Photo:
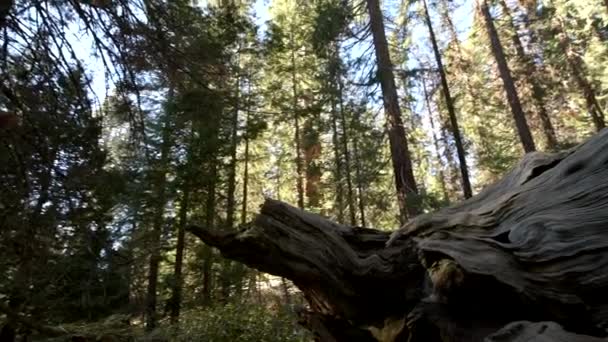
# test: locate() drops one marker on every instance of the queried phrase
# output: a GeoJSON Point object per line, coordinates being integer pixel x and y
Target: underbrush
{"type": "Point", "coordinates": [238, 323]}
{"type": "Point", "coordinates": [226, 323]}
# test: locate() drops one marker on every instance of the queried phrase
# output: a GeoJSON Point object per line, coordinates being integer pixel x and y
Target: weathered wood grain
{"type": "Point", "coordinates": [532, 247]}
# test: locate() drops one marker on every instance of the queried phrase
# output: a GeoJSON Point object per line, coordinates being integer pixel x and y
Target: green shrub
{"type": "Point", "coordinates": [239, 323]}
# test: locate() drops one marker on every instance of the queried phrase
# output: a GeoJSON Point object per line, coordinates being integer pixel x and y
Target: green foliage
{"type": "Point", "coordinates": [330, 20]}
{"type": "Point", "coordinates": [240, 323]}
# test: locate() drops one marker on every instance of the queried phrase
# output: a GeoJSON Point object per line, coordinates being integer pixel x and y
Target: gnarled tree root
{"type": "Point", "coordinates": [532, 247]}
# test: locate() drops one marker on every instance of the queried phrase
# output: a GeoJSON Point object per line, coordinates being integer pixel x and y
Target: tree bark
{"type": "Point", "coordinates": [338, 162]}
{"type": "Point", "coordinates": [246, 159]}
{"type": "Point", "coordinates": [176, 298]}
{"type": "Point", "coordinates": [464, 170]}
{"type": "Point", "coordinates": [532, 77]}
{"type": "Point", "coordinates": [312, 149]}
{"type": "Point", "coordinates": [210, 221]}
{"type": "Point", "coordinates": [296, 114]}
{"type": "Point", "coordinates": [230, 203]}
{"type": "Point", "coordinates": [531, 247]}
{"type": "Point", "coordinates": [521, 123]}
{"type": "Point", "coordinates": [360, 196]}
{"type": "Point", "coordinates": [405, 183]}
{"type": "Point", "coordinates": [346, 152]}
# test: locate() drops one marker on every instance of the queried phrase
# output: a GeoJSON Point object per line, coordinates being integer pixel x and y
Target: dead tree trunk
{"type": "Point", "coordinates": [532, 247]}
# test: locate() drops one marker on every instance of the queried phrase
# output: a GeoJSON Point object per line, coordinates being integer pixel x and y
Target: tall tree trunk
{"type": "Point", "coordinates": [312, 150]}
{"type": "Point", "coordinates": [160, 201]}
{"type": "Point", "coordinates": [577, 70]}
{"type": "Point", "coordinates": [299, 167]}
{"type": "Point", "coordinates": [505, 74]}
{"type": "Point", "coordinates": [246, 159]}
{"type": "Point", "coordinates": [338, 161]}
{"type": "Point", "coordinates": [245, 180]}
{"type": "Point", "coordinates": [442, 182]}
{"type": "Point", "coordinates": [239, 268]}
{"type": "Point", "coordinates": [230, 203]}
{"type": "Point", "coordinates": [358, 174]}
{"type": "Point", "coordinates": [448, 152]}
{"type": "Point", "coordinates": [464, 171]}
{"type": "Point", "coordinates": [209, 221]}
{"type": "Point", "coordinates": [405, 183]}
{"type": "Point", "coordinates": [532, 77]}
{"type": "Point", "coordinates": [227, 265]}
{"type": "Point", "coordinates": [464, 66]}
{"type": "Point", "coordinates": [176, 296]}
{"type": "Point", "coordinates": [346, 153]}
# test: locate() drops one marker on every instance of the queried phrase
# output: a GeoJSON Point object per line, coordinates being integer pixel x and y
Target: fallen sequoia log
{"type": "Point", "coordinates": [532, 247]}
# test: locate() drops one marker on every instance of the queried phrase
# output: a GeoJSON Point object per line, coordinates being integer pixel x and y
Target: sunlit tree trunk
{"type": "Point", "coordinates": [246, 157]}
{"type": "Point", "coordinates": [521, 123]}
{"type": "Point", "coordinates": [360, 196]}
{"type": "Point", "coordinates": [532, 77]}
{"type": "Point", "coordinates": [230, 203]}
{"type": "Point", "coordinates": [296, 114]}
{"type": "Point", "coordinates": [405, 183]}
{"type": "Point", "coordinates": [338, 162]}
{"type": "Point", "coordinates": [464, 171]}
{"type": "Point", "coordinates": [312, 150]}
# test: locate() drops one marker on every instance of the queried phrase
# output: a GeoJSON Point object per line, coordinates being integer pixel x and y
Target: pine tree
{"type": "Point", "coordinates": [577, 70]}
{"type": "Point", "coordinates": [505, 73]}
{"type": "Point", "coordinates": [532, 76]}
{"type": "Point", "coordinates": [442, 181]}
{"type": "Point", "coordinates": [160, 182]}
{"type": "Point", "coordinates": [466, 183]}
{"type": "Point", "coordinates": [407, 189]}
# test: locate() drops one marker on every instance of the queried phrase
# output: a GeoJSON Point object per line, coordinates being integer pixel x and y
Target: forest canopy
{"type": "Point", "coordinates": [124, 122]}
